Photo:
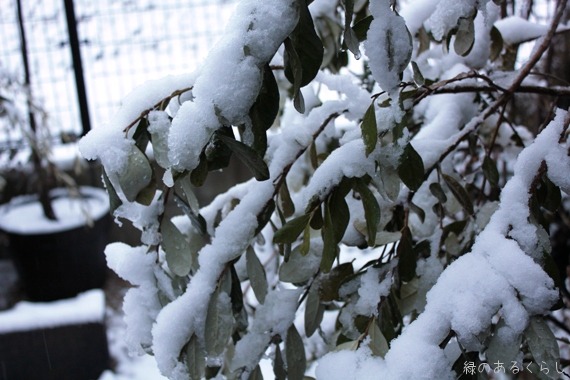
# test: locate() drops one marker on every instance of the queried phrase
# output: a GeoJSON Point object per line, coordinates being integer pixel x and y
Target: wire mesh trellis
{"type": "Point", "coordinates": [123, 43]}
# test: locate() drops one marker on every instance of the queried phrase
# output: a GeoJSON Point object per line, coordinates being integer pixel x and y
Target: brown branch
{"type": "Point", "coordinates": [156, 106]}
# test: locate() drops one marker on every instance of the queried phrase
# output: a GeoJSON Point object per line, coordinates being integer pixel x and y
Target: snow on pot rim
{"type": "Point", "coordinates": [23, 215]}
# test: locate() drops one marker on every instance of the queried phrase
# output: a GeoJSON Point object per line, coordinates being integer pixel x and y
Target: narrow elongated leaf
{"type": "Point", "coordinates": [195, 358]}
{"type": "Point", "coordinates": [296, 69]}
{"type": "Point", "coordinates": [502, 348]}
{"type": "Point", "coordinates": [411, 168]}
{"type": "Point", "coordinates": [371, 210]}
{"type": "Point", "coordinates": [459, 193]}
{"type": "Point", "coordinates": [295, 353]}
{"type": "Point", "coordinates": [256, 274]}
{"type": "Point", "coordinates": [330, 246]}
{"type": "Point", "coordinates": [339, 213]}
{"type": "Point", "coordinates": [200, 173]}
{"type": "Point", "coordinates": [314, 310]}
{"type": "Point", "coordinates": [407, 256]}
{"type": "Point", "coordinates": [350, 38]}
{"type": "Point", "coordinates": [361, 28]}
{"type": "Point", "coordinates": [418, 211]}
{"type": "Point", "coordinates": [256, 374]}
{"type": "Point", "coordinates": [219, 323]}
{"type": "Point", "coordinates": [279, 365]}
{"type": "Point", "coordinates": [137, 174]}
{"type": "Point", "coordinates": [264, 110]}
{"type": "Point", "coordinates": [291, 230]}
{"type": "Point", "coordinates": [369, 129]}
{"type": "Point", "coordinates": [331, 282]}
{"type": "Point", "coordinates": [418, 76]}
{"type": "Point", "coordinates": [490, 171]}
{"type": "Point", "coordinates": [496, 44]}
{"type": "Point", "coordinates": [543, 346]}
{"type": "Point", "coordinates": [178, 254]}
{"type": "Point", "coordinates": [114, 200]}
{"type": "Point", "coordinates": [437, 191]}
{"type": "Point", "coordinates": [285, 201]}
{"type": "Point", "coordinates": [308, 46]}
{"type": "Point", "coordinates": [378, 343]}
{"type": "Point", "coordinates": [248, 156]}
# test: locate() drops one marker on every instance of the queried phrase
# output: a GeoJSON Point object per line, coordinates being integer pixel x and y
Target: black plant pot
{"type": "Point", "coordinates": [62, 263]}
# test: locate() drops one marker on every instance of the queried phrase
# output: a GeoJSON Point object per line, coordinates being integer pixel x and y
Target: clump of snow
{"type": "Point", "coordinates": [515, 30]}
{"type": "Point", "coordinates": [447, 14]}
{"type": "Point", "coordinates": [273, 317]}
{"type": "Point", "coordinates": [87, 307]}
{"type": "Point", "coordinates": [141, 303]}
{"type": "Point", "coordinates": [224, 96]}
{"type": "Point", "coordinates": [371, 291]}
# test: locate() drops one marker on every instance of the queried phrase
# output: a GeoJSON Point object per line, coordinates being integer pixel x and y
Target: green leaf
{"type": "Point", "coordinates": [248, 156]}
{"type": "Point", "coordinates": [278, 365]}
{"type": "Point", "coordinates": [200, 173]}
{"type": "Point", "coordinates": [307, 45]}
{"type": "Point", "coordinates": [411, 168]}
{"type": "Point", "coordinates": [295, 354]}
{"type": "Point", "coordinates": [490, 171]}
{"type": "Point", "coordinates": [177, 249]}
{"type": "Point", "coordinates": [378, 343]}
{"type": "Point", "coordinates": [137, 174]}
{"type": "Point", "coordinates": [256, 274]}
{"type": "Point", "coordinates": [219, 323]}
{"type": "Point", "coordinates": [543, 346]}
{"type": "Point", "coordinates": [407, 256]}
{"type": "Point", "coordinates": [418, 76]}
{"type": "Point", "coordinates": [496, 44]}
{"type": "Point", "coordinates": [264, 110]}
{"type": "Point", "coordinates": [339, 213]}
{"type": "Point", "coordinates": [371, 210]}
{"type": "Point", "coordinates": [331, 282]}
{"type": "Point", "coordinates": [350, 37]}
{"type": "Point", "coordinates": [299, 268]}
{"type": "Point", "coordinates": [418, 211]}
{"type": "Point", "coordinates": [361, 28]}
{"type": "Point", "coordinates": [465, 36]}
{"type": "Point", "coordinates": [296, 69]}
{"type": "Point", "coordinates": [437, 191]}
{"type": "Point", "coordinates": [197, 220]}
{"type": "Point", "coordinates": [291, 230]}
{"type": "Point", "coordinates": [330, 244]}
{"type": "Point", "coordinates": [256, 374]}
{"type": "Point", "coordinates": [314, 310]}
{"type": "Point", "coordinates": [285, 202]}
{"type": "Point", "coordinates": [195, 358]}
{"type": "Point", "coordinates": [369, 130]}
{"type": "Point", "coordinates": [459, 193]}
{"type": "Point", "coordinates": [114, 200]}
{"type": "Point", "coordinates": [217, 153]}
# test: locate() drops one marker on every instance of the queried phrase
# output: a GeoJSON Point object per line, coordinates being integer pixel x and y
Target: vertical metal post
{"type": "Point", "coordinates": [77, 66]}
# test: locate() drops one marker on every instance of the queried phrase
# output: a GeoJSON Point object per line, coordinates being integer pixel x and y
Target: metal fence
{"type": "Point", "coordinates": [122, 44]}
